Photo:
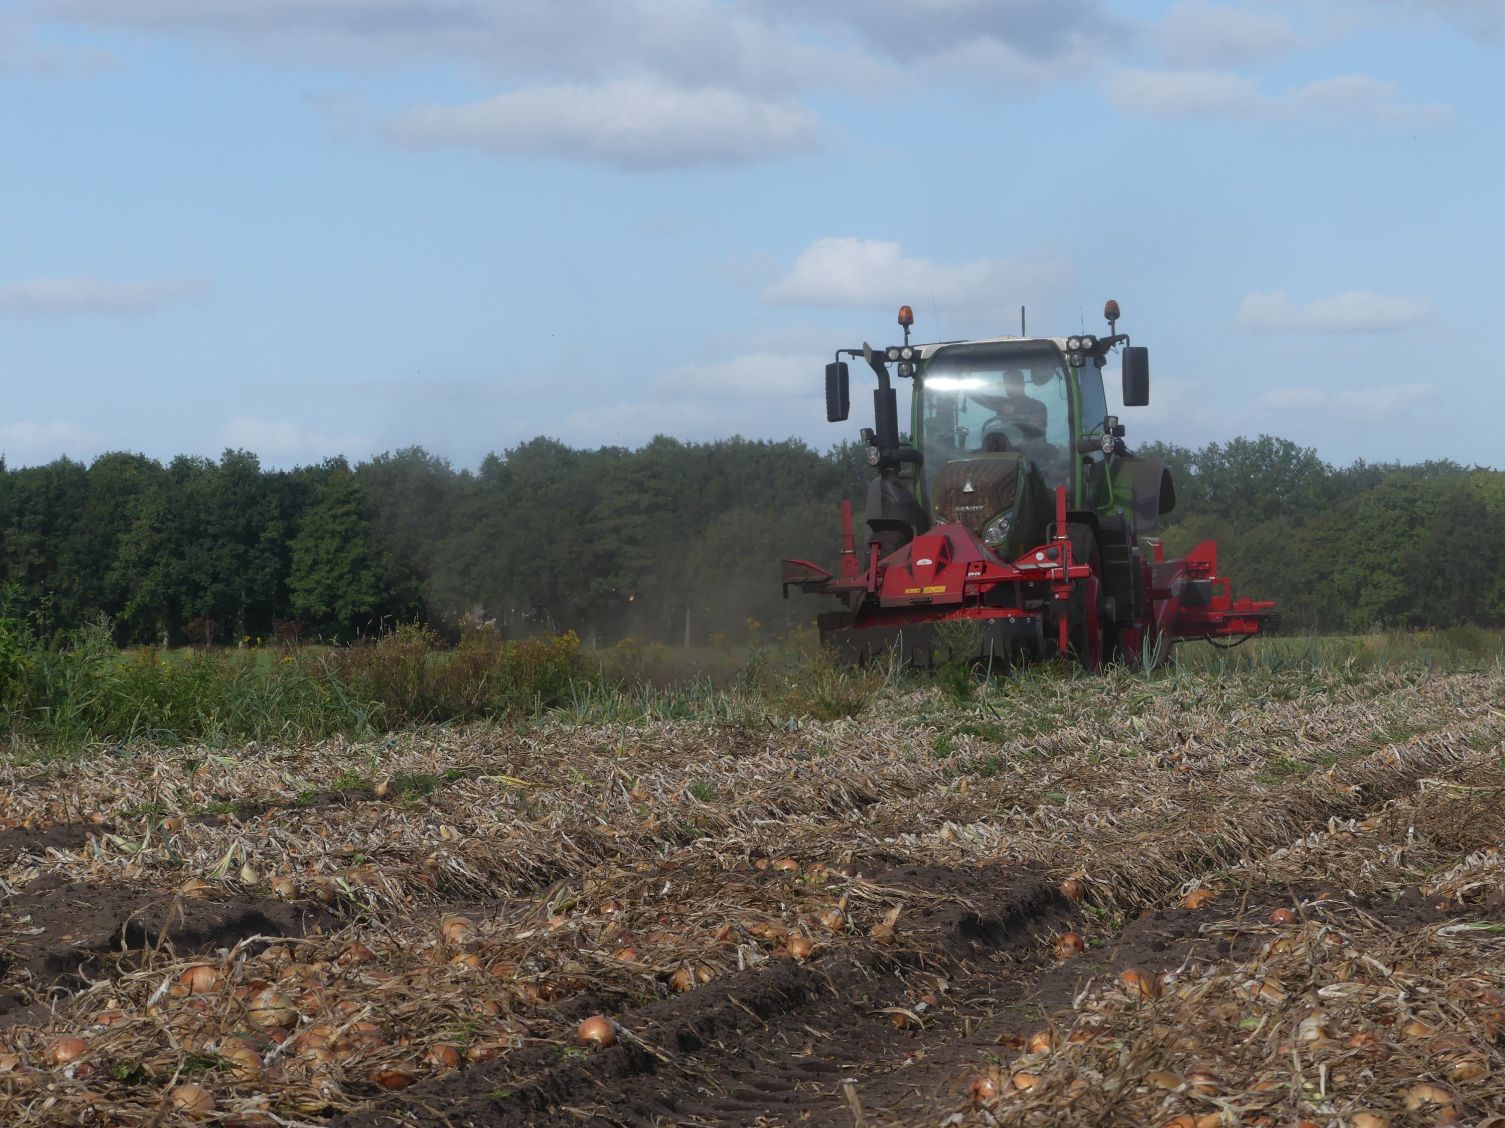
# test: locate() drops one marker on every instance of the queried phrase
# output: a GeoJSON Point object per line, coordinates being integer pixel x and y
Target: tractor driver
{"type": "Point", "coordinates": [1016, 417]}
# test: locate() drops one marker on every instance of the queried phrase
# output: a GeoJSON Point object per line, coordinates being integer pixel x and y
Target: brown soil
{"type": "Point", "coordinates": [58, 935]}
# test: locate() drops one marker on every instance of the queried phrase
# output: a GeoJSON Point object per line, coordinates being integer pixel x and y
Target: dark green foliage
{"type": "Point", "coordinates": [1345, 550]}
{"type": "Point", "coordinates": [615, 543]}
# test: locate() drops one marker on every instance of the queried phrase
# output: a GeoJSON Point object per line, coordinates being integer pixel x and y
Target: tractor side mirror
{"type": "Point", "coordinates": [1136, 376]}
{"type": "Point", "coordinates": [838, 392]}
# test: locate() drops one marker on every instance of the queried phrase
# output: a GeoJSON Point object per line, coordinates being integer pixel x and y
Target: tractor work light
{"type": "Point", "coordinates": [1073, 344]}
{"type": "Point", "coordinates": [1076, 360]}
{"type": "Point", "coordinates": [1089, 342]}
{"type": "Point", "coordinates": [892, 352]}
{"type": "Point", "coordinates": [907, 353]}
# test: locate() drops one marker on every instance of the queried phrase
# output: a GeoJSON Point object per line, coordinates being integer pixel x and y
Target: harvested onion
{"type": "Point", "coordinates": [392, 1077]}
{"type": "Point", "coordinates": [597, 1030]}
{"type": "Point", "coordinates": [1197, 897]}
{"type": "Point", "coordinates": [984, 1087]}
{"type": "Point", "coordinates": [66, 1050]}
{"type": "Point", "coordinates": [1427, 1097]}
{"type": "Point", "coordinates": [200, 979]}
{"type": "Point", "coordinates": [192, 1099]}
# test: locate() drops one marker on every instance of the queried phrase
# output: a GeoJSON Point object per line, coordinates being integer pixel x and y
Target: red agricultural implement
{"type": "Point", "coordinates": [1017, 525]}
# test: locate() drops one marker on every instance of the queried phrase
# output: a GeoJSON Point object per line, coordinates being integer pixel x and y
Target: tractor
{"type": "Point", "coordinates": [1015, 525]}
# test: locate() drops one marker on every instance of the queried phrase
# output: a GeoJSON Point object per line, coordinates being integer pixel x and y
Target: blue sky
{"type": "Point", "coordinates": [312, 227]}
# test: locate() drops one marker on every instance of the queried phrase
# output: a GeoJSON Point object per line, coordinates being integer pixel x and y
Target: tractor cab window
{"type": "Point", "coordinates": [996, 398]}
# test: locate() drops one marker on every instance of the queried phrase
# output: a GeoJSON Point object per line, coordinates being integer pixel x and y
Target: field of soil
{"type": "Point", "coordinates": [1273, 899]}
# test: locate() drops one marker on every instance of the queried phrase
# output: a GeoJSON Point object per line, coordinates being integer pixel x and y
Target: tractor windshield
{"type": "Point", "coordinates": [978, 399]}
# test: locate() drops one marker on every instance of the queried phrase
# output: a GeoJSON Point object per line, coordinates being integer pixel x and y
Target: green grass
{"type": "Point", "coordinates": [83, 695]}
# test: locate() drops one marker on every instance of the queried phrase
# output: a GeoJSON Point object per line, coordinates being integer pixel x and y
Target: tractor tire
{"type": "Point", "coordinates": [1091, 621]}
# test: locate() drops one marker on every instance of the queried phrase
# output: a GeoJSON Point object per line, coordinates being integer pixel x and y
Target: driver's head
{"type": "Point", "coordinates": [1013, 382]}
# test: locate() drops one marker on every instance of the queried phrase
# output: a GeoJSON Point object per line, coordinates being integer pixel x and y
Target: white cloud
{"type": "Point", "coordinates": [635, 124]}
{"type": "Point", "coordinates": [1354, 311]}
{"type": "Point", "coordinates": [1219, 94]}
{"type": "Point", "coordinates": [1196, 33]}
{"type": "Point", "coordinates": [1370, 404]}
{"type": "Point", "coordinates": [280, 440]}
{"type": "Point", "coordinates": [78, 297]}
{"type": "Point", "coordinates": [26, 443]}
{"type": "Point", "coordinates": [863, 273]}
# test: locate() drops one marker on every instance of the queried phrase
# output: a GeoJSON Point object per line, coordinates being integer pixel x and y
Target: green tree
{"type": "Point", "coordinates": [341, 576]}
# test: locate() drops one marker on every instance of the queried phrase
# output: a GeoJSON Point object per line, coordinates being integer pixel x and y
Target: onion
{"type": "Point", "coordinates": [1197, 897]}
{"type": "Point", "coordinates": [245, 1063]}
{"type": "Point", "coordinates": [283, 887]}
{"type": "Point", "coordinates": [1024, 1081]}
{"type": "Point", "coordinates": [1201, 1081]}
{"type": "Point", "coordinates": [1427, 1097]}
{"type": "Point", "coordinates": [1069, 944]}
{"type": "Point", "coordinates": [9, 1062]}
{"type": "Point", "coordinates": [66, 1050]}
{"type": "Point", "coordinates": [483, 1051]}
{"type": "Point", "coordinates": [627, 955]}
{"type": "Point", "coordinates": [200, 979]}
{"type": "Point", "coordinates": [682, 980]}
{"type": "Point", "coordinates": [1368, 1120]}
{"type": "Point", "coordinates": [1468, 1067]}
{"type": "Point", "coordinates": [984, 1087]}
{"type": "Point", "coordinates": [1144, 984]}
{"type": "Point", "coordinates": [786, 864]}
{"type": "Point", "coordinates": [391, 1077]}
{"type": "Point", "coordinates": [1282, 917]}
{"type": "Point", "coordinates": [192, 1099]}
{"type": "Point", "coordinates": [834, 919]}
{"type": "Point", "coordinates": [1074, 888]}
{"type": "Point", "coordinates": [468, 960]}
{"type": "Point", "coordinates": [704, 973]}
{"type": "Point", "coordinates": [270, 1007]}
{"type": "Point", "coordinates": [597, 1030]}
{"type": "Point", "coordinates": [1162, 1079]}
{"type": "Point", "coordinates": [1416, 1028]}
{"type": "Point", "coordinates": [442, 1057]}
{"type": "Point", "coordinates": [800, 947]}
{"type": "Point", "coordinates": [356, 953]}
{"type": "Point", "coordinates": [108, 1017]}
{"type": "Point", "coordinates": [456, 930]}
{"type": "Point", "coordinates": [1040, 1042]}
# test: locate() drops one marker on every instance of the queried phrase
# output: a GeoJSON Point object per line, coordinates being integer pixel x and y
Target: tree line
{"type": "Point", "coordinates": [666, 540]}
